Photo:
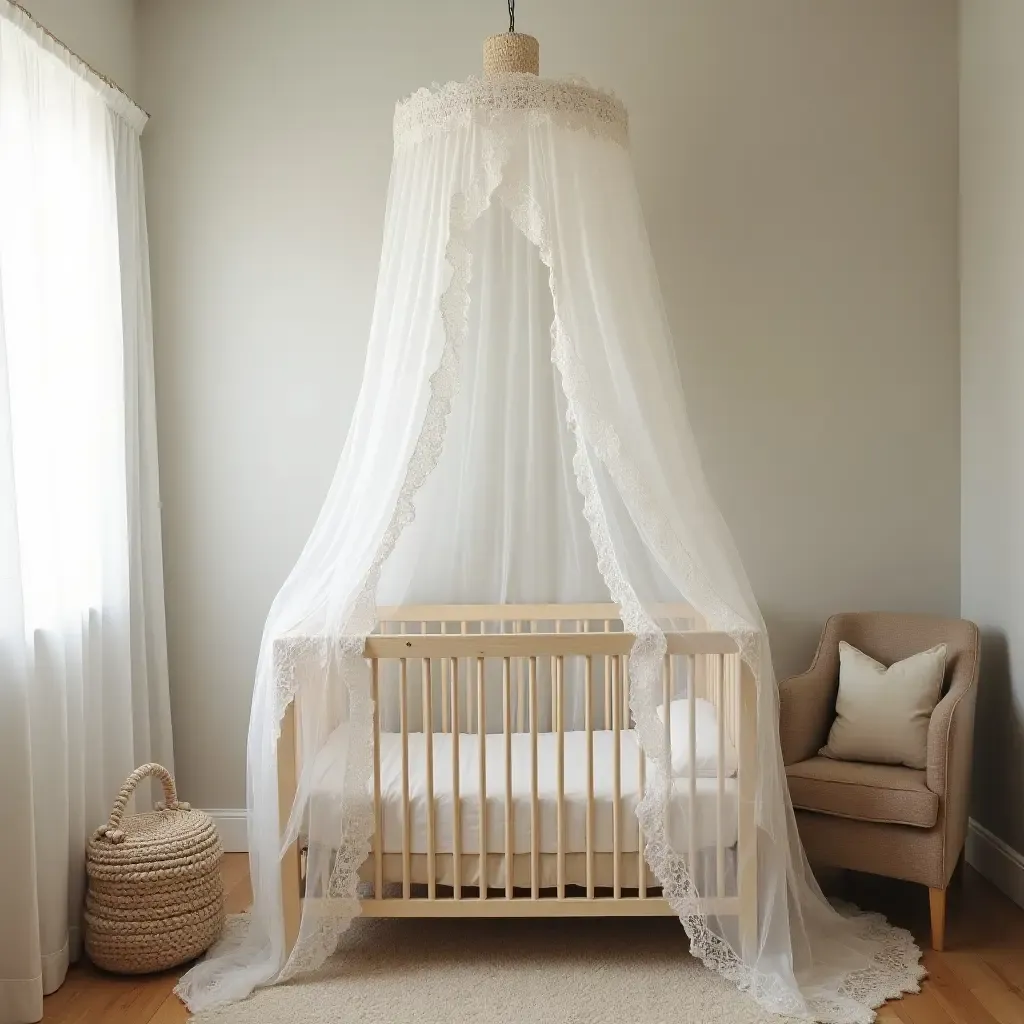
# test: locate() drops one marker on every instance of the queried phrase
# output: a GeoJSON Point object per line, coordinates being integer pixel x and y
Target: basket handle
{"type": "Point", "coordinates": [112, 830]}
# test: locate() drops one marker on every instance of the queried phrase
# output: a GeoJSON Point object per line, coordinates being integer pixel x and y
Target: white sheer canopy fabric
{"type": "Point", "coordinates": [83, 664]}
{"type": "Point", "coordinates": [521, 435]}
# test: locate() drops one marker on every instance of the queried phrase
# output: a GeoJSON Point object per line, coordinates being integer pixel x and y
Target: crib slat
{"type": "Point", "coordinates": [378, 838]}
{"type": "Point", "coordinates": [456, 798]}
{"type": "Point", "coordinates": [667, 680]}
{"type": "Point", "coordinates": [607, 682]}
{"type": "Point", "coordinates": [534, 803]}
{"type": "Point", "coordinates": [691, 831]}
{"type": "Point", "coordinates": [616, 780]}
{"type": "Point", "coordinates": [624, 677]}
{"type": "Point", "coordinates": [481, 725]}
{"type": "Point", "coordinates": [403, 697]}
{"type": "Point", "coordinates": [554, 683]}
{"type": "Point", "coordinates": [464, 630]}
{"type": "Point", "coordinates": [445, 694]}
{"type": "Point", "coordinates": [588, 711]}
{"type": "Point", "coordinates": [733, 704]}
{"type": "Point", "coordinates": [506, 686]}
{"type": "Point", "coordinates": [517, 627]}
{"type": "Point", "coordinates": [425, 726]}
{"type": "Point", "coordinates": [720, 689]}
{"type": "Point", "coordinates": [398, 684]}
{"type": "Point", "coordinates": [560, 823]}
{"type": "Point", "coordinates": [428, 718]}
{"type": "Point", "coordinates": [641, 863]}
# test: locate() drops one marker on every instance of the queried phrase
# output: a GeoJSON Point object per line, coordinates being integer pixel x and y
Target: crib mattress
{"type": "Point", "coordinates": [712, 815]}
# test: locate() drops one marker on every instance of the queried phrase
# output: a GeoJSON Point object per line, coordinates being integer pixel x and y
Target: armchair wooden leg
{"type": "Point", "coordinates": [937, 902]}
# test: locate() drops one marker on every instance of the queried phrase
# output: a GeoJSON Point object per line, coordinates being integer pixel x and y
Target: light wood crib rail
{"type": "Point", "coordinates": [476, 675]}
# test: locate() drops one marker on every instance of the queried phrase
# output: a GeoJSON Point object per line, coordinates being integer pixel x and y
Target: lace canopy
{"type": "Point", "coordinates": [521, 435]}
{"type": "Point", "coordinates": [571, 104]}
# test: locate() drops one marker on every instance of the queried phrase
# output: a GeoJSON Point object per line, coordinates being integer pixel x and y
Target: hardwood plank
{"type": "Point", "coordinates": [960, 1003]}
{"type": "Point", "coordinates": [234, 871]}
{"type": "Point", "coordinates": [92, 1001]}
{"type": "Point", "coordinates": [1002, 1002]}
{"type": "Point", "coordinates": [238, 896]}
{"type": "Point", "coordinates": [1009, 967]}
{"type": "Point", "coordinates": [887, 1015]}
{"type": "Point", "coordinates": [78, 987]}
{"type": "Point", "coordinates": [921, 1009]}
{"type": "Point", "coordinates": [172, 1011]}
{"type": "Point", "coordinates": [137, 1002]}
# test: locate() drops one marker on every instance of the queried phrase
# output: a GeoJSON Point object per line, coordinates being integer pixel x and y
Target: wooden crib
{"type": "Point", "coordinates": [461, 657]}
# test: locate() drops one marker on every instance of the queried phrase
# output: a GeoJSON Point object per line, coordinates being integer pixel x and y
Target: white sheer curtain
{"type": "Point", "coordinates": [83, 663]}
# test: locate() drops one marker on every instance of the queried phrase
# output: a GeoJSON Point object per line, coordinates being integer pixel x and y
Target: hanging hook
{"type": "Point", "coordinates": [511, 15]}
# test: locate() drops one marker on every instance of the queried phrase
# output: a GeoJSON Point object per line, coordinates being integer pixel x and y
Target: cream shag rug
{"type": "Point", "coordinates": [512, 971]}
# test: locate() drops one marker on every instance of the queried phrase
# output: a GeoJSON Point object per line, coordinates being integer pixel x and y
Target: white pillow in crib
{"type": "Point", "coordinates": [706, 717]}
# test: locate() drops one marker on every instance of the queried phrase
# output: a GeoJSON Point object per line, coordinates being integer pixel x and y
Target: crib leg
{"type": "Point", "coordinates": [748, 919]}
{"type": "Point", "coordinates": [287, 784]}
{"type": "Point", "coordinates": [747, 867]}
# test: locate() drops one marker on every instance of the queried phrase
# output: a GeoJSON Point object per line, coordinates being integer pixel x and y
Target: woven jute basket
{"type": "Point", "coordinates": [155, 896]}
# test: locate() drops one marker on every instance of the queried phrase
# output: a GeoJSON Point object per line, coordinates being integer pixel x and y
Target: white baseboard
{"type": "Point", "coordinates": [230, 824]}
{"type": "Point", "coordinates": [1000, 863]}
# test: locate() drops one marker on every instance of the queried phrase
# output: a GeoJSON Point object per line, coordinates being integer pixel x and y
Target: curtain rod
{"type": "Point", "coordinates": [109, 82]}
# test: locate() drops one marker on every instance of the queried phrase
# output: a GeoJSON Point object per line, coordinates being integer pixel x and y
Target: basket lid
{"type": "Point", "coordinates": [173, 840]}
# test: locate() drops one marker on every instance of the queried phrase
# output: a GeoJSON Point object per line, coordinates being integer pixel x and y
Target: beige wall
{"type": "Point", "coordinates": [101, 32]}
{"type": "Point", "coordinates": [797, 161]}
{"type": "Point", "coordinates": [992, 274]}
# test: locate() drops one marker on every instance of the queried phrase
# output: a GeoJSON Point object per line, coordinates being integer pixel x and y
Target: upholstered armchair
{"type": "Point", "coordinates": [885, 819]}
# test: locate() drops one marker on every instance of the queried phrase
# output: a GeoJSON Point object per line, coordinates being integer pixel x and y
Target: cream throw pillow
{"type": "Point", "coordinates": [882, 714]}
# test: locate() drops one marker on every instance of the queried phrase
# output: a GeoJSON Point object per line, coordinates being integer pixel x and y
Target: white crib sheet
{"type": "Point", "coordinates": [329, 774]}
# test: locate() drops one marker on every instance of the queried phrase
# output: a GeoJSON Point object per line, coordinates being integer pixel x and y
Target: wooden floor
{"type": "Point", "coordinates": [978, 980]}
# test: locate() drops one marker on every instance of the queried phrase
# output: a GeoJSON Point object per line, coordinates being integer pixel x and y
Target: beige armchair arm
{"type": "Point", "coordinates": [951, 729]}
{"type": "Point", "coordinates": [807, 707]}
{"type": "Point", "coordinates": [949, 738]}
{"type": "Point", "coordinates": [950, 752]}
{"type": "Point", "coordinates": [807, 703]}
